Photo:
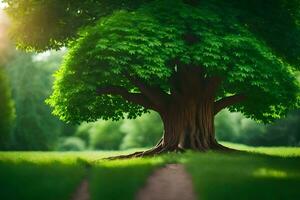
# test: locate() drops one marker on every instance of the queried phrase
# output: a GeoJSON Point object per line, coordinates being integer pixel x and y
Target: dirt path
{"type": "Point", "coordinates": [82, 192]}
{"type": "Point", "coordinates": [169, 183]}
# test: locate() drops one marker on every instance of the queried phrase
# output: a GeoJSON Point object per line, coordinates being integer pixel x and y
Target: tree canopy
{"type": "Point", "coordinates": [144, 44]}
{"type": "Point", "coordinates": [48, 24]}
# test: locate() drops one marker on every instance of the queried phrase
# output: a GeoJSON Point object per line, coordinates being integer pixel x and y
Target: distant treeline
{"type": "Point", "coordinates": [30, 80]}
{"type": "Point", "coordinates": [234, 127]}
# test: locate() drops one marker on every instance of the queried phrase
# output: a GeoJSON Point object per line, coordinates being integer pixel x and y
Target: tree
{"type": "Point", "coordinates": [31, 80]}
{"type": "Point", "coordinates": [234, 127]}
{"type": "Point", "coordinates": [284, 132]}
{"type": "Point", "coordinates": [186, 60]}
{"type": "Point", "coordinates": [6, 111]}
{"type": "Point", "coordinates": [101, 135]}
{"type": "Point", "coordinates": [145, 131]}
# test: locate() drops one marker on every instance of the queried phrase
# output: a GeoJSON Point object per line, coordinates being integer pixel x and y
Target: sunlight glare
{"type": "Point", "coordinates": [2, 5]}
{"type": "Point", "coordinates": [3, 24]}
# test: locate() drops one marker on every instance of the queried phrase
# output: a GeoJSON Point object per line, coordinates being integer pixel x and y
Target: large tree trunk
{"type": "Point", "coordinates": [187, 112]}
{"type": "Point", "coordinates": [189, 124]}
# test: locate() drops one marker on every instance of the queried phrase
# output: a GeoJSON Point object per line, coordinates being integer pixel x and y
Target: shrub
{"type": "Point", "coordinates": [71, 144]}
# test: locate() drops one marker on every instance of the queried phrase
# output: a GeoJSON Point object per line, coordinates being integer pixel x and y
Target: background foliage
{"type": "Point", "coordinates": [6, 110]}
{"type": "Point", "coordinates": [30, 78]}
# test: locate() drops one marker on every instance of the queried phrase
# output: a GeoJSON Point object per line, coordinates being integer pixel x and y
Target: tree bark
{"type": "Point", "coordinates": [189, 125]}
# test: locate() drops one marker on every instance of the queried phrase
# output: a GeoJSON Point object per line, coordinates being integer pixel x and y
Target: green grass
{"type": "Point", "coordinates": [244, 176]}
{"type": "Point", "coordinates": [264, 173]}
{"type": "Point", "coordinates": [63, 157]}
{"type": "Point", "coordinates": [115, 180]}
{"type": "Point", "coordinates": [55, 175]}
{"type": "Point", "coordinates": [32, 180]}
{"type": "Point", "coordinates": [259, 173]}
{"type": "Point", "coordinates": [274, 151]}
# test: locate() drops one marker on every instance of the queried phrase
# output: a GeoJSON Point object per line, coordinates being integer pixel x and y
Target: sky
{"type": "Point", "coordinates": [2, 5]}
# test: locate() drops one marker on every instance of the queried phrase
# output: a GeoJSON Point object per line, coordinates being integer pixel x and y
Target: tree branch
{"type": "Point", "coordinates": [228, 101]}
{"type": "Point", "coordinates": [136, 98]}
{"type": "Point", "coordinates": [155, 95]}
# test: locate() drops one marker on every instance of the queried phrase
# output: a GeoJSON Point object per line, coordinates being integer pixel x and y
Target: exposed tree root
{"type": "Point", "coordinates": [222, 148]}
{"type": "Point", "coordinates": [159, 149]}
{"type": "Point", "coordinates": [151, 152]}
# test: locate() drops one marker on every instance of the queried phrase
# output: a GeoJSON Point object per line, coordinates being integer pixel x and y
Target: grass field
{"type": "Point", "coordinates": [55, 176]}
{"type": "Point", "coordinates": [264, 173]}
